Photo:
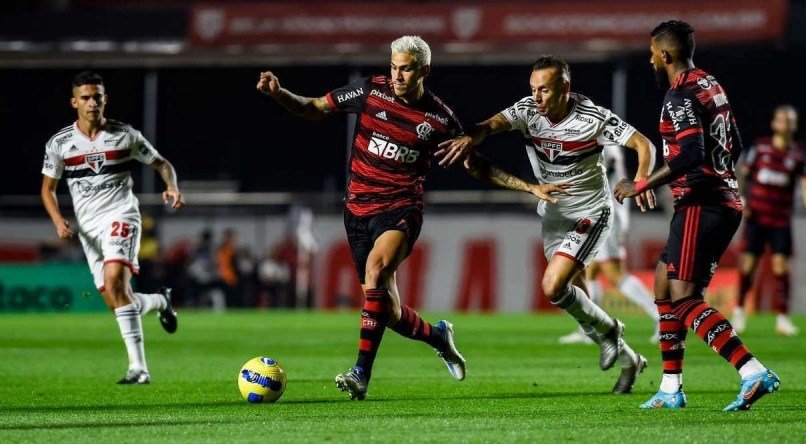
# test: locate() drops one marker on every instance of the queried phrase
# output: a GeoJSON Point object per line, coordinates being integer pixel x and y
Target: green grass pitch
{"type": "Point", "coordinates": [57, 374]}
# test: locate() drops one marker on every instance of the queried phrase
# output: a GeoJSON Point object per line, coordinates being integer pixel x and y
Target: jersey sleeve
{"type": "Point", "coordinates": [613, 130]}
{"type": "Point", "coordinates": [686, 115]}
{"type": "Point", "coordinates": [142, 150]}
{"type": "Point", "coordinates": [517, 114]}
{"type": "Point", "coordinates": [53, 164]}
{"type": "Point", "coordinates": [350, 98]}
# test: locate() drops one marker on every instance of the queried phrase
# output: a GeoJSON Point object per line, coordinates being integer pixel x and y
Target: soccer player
{"type": "Point", "coordinates": [700, 145]}
{"type": "Point", "coordinates": [564, 134]}
{"type": "Point", "coordinates": [96, 156]}
{"type": "Point", "coordinates": [610, 258]}
{"type": "Point", "coordinates": [770, 170]}
{"type": "Point", "coordinates": [399, 124]}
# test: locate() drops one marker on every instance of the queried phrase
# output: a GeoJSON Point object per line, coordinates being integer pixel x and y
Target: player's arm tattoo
{"type": "Point", "coordinates": [167, 172]}
{"type": "Point", "coordinates": [483, 170]}
{"type": "Point", "coordinates": [308, 108]}
{"type": "Point", "coordinates": [493, 125]}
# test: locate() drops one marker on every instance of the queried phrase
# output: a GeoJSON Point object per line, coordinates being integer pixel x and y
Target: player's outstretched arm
{"type": "Point", "coordinates": [459, 147]}
{"type": "Point", "coordinates": [308, 108]}
{"type": "Point", "coordinates": [171, 196]}
{"type": "Point", "coordinates": [51, 204]}
{"type": "Point", "coordinates": [646, 163]}
{"type": "Point", "coordinates": [483, 170]}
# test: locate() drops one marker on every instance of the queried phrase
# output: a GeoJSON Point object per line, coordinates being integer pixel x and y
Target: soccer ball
{"type": "Point", "coordinates": [261, 380]}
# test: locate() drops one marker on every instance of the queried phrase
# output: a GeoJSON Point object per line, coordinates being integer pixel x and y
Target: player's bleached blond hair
{"type": "Point", "coordinates": [414, 46]}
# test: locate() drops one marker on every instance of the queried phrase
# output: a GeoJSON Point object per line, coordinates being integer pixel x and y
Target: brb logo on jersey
{"type": "Point", "coordinates": [552, 149]}
{"type": "Point", "coordinates": [390, 150]}
{"type": "Point", "coordinates": [95, 161]}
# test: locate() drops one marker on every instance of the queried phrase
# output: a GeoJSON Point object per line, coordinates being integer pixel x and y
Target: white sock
{"type": "Point", "coordinates": [586, 313]}
{"type": "Point", "coordinates": [131, 329]}
{"type": "Point", "coordinates": [671, 382]}
{"type": "Point", "coordinates": [594, 291]}
{"type": "Point", "coordinates": [751, 368]}
{"type": "Point", "coordinates": [627, 356]}
{"type": "Point", "coordinates": [149, 302]}
{"type": "Point", "coordinates": [634, 290]}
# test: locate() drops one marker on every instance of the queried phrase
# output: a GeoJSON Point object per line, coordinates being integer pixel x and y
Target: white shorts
{"type": "Point", "coordinates": [578, 239]}
{"type": "Point", "coordinates": [613, 246]}
{"type": "Point", "coordinates": [114, 239]}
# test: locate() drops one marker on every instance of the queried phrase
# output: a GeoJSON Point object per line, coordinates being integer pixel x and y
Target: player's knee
{"type": "Point", "coordinates": [553, 288]}
{"type": "Point", "coordinates": [748, 264]}
{"type": "Point", "coordinates": [378, 273]}
{"type": "Point", "coordinates": [780, 265]}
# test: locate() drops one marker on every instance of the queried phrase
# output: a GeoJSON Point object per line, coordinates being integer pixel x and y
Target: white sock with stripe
{"type": "Point", "coordinates": [149, 302]}
{"type": "Point", "coordinates": [131, 329]}
{"type": "Point", "coordinates": [576, 303]}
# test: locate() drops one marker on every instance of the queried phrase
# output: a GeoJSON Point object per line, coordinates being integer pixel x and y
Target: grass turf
{"type": "Point", "coordinates": [57, 374]}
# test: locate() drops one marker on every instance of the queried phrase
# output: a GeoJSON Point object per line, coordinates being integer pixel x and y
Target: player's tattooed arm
{"type": "Point", "coordinates": [458, 148]}
{"type": "Point", "coordinates": [171, 196]}
{"type": "Point", "coordinates": [483, 170]}
{"type": "Point", "coordinates": [308, 108]}
{"type": "Point", "coordinates": [51, 204]}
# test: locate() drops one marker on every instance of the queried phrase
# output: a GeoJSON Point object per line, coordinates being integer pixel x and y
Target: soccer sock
{"type": "Point", "coordinates": [587, 314]}
{"type": "Point", "coordinates": [745, 283]}
{"type": "Point", "coordinates": [374, 318]}
{"type": "Point", "coordinates": [672, 347]}
{"type": "Point", "coordinates": [131, 329]}
{"type": "Point", "coordinates": [635, 291]}
{"type": "Point", "coordinates": [781, 293]}
{"type": "Point", "coordinates": [412, 326]}
{"type": "Point", "coordinates": [594, 291]}
{"type": "Point", "coordinates": [149, 302]}
{"type": "Point", "coordinates": [710, 325]}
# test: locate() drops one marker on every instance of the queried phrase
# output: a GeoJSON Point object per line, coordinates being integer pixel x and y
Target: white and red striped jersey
{"type": "Point", "coordinates": [98, 169]}
{"type": "Point", "coordinates": [570, 151]}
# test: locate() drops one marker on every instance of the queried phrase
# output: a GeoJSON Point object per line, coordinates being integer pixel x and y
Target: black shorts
{"type": "Point", "coordinates": [756, 238]}
{"type": "Point", "coordinates": [698, 236]}
{"type": "Point", "coordinates": [363, 231]}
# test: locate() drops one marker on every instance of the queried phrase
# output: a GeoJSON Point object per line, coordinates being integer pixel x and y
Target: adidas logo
{"type": "Point", "coordinates": [381, 115]}
{"type": "Point", "coordinates": [670, 268]}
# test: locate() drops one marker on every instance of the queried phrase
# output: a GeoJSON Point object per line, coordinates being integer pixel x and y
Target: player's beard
{"type": "Point", "coordinates": [661, 78]}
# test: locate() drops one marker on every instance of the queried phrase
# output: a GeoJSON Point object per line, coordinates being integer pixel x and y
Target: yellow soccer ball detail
{"type": "Point", "coordinates": [261, 380]}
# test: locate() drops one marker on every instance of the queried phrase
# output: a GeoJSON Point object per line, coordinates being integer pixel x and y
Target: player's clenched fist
{"type": "Point", "coordinates": [268, 84]}
{"type": "Point", "coordinates": [63, 229]}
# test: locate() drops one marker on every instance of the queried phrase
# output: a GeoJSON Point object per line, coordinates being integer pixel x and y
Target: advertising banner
{"type": "Point", "coordinates": [498, 23]}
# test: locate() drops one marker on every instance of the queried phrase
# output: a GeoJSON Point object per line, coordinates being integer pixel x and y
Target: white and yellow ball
{"type": "Point", "coordinates": [261, 380]}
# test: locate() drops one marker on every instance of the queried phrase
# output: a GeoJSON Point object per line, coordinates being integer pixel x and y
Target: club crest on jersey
{"type": "Point", "coordinates": [424, 130]}
{"type": "Point", "coordinates": [95, 161]}
{"type": "Point", "coordinates": [552, 149]}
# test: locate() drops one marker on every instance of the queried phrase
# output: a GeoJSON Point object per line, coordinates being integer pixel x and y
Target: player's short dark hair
{"type": "Point", "coordinates": [87, 78]}
{"type": "Point", "coordinates": [552, 61]}
{"type": "Point", "coordinates": [680, 32]}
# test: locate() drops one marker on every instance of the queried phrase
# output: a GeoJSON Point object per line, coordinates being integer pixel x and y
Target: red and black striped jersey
{"type": "Point", "coordinates": [393, 144]}
{"type": "Point", "coordinates": [696, 120]}
{"type": "Point", "coordinates": [771, 177]}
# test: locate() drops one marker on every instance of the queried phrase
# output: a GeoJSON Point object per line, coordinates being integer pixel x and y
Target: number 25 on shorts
{"type": "Point", "coordinates": [120, 229]}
